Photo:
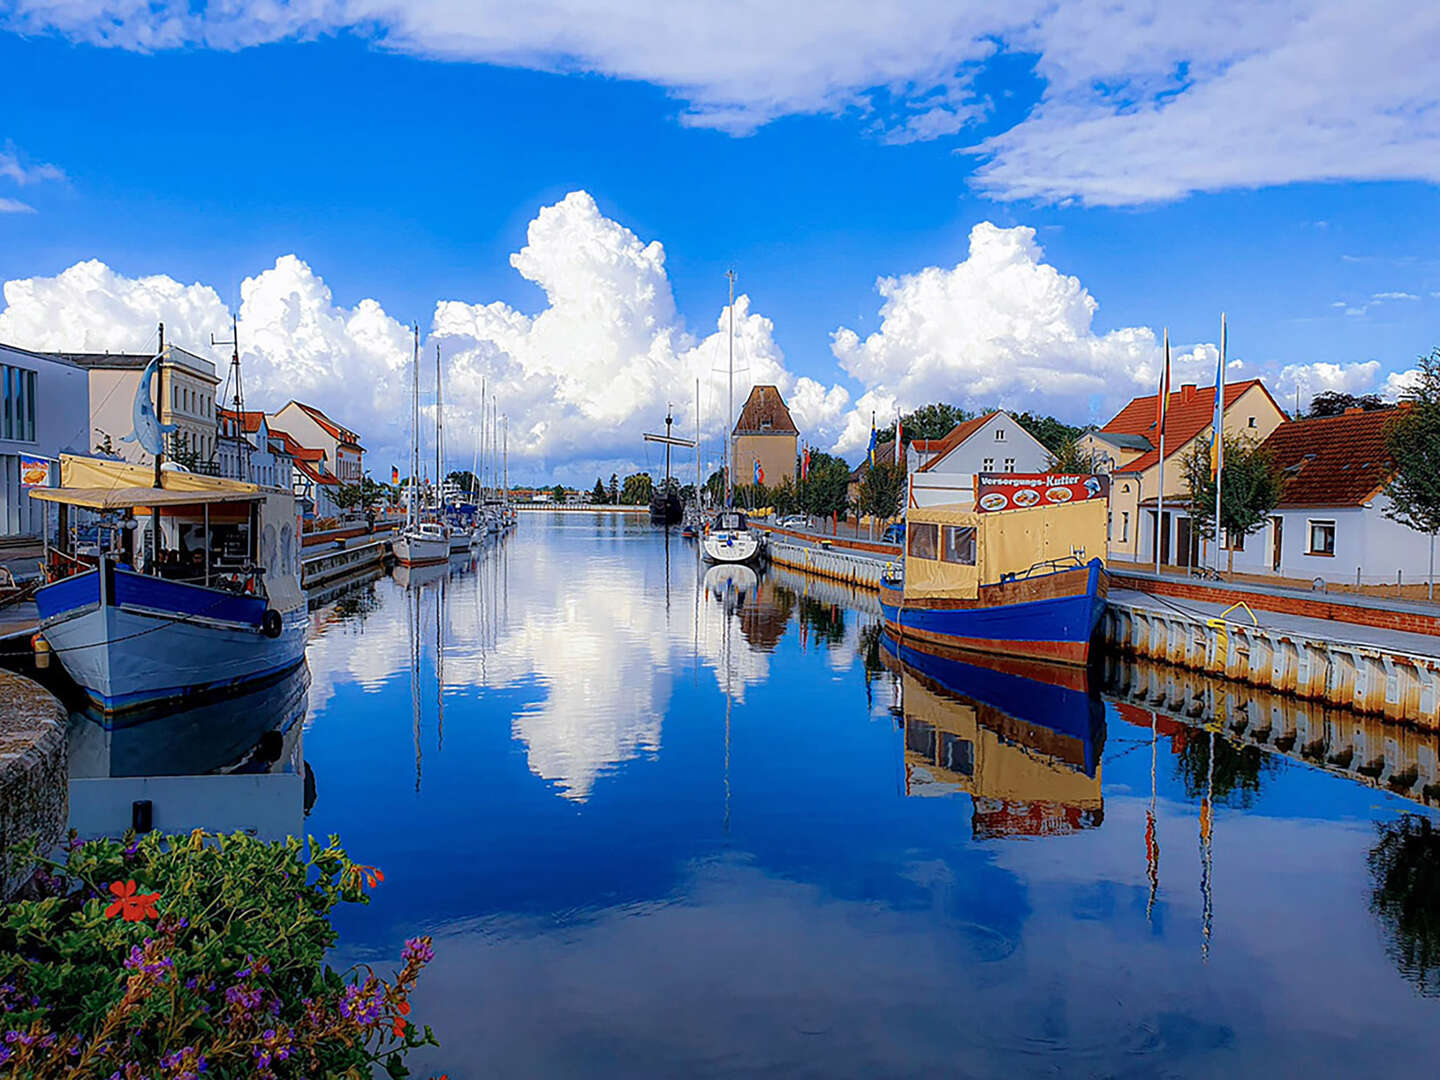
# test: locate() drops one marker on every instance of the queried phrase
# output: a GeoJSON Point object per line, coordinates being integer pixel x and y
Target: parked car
{"type": "Point", "coordinates": [894, 534]}
{"type": "Point", "coordinates": [792, 521]}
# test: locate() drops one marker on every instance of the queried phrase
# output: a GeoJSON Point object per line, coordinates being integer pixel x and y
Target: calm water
{"type": "Point", "coordinates": [670, 823]}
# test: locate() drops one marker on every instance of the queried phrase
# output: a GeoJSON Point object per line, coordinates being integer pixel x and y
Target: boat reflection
{"type": "Point", "coordinates": [1025, 747]}
{"type": "Point", "coordinates": [224, 764]}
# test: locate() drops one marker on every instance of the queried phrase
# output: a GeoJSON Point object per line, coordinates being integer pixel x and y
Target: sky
{"type": "Point", "coordinates": [922, 202]}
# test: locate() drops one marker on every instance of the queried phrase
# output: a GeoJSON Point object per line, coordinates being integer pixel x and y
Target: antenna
{"type": "Point", "coordinates": [234, 381]}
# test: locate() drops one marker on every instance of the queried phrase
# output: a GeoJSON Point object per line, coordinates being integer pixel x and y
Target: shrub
{"type": "Point", "coordinates": [177, 957]}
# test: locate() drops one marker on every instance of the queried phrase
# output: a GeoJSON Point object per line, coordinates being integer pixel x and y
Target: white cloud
{"type": "Point", "coordinates": [1001, 327]}
{"type": "Point", "coordinates": [1141, 102]}
{"type": "Point", "coordinates": [15, 206]}
{"type": "Point", "coordinates": [1393, 296]}
{"type": "Point", "coordinates": [13, 166]}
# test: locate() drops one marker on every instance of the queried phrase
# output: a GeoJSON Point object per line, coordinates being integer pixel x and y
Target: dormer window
{"type": "Point", "coordinates": [999, 434]}
{"type": "Point", "coordinates": [764, 425]}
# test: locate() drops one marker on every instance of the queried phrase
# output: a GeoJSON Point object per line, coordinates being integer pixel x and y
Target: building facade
{"type": "Point", "coordinates": [46, 414]}
{"type": "Point", "coordinates": [248, 450]}
{"type": "Point", "coordinates": [991, 443]}
{"type": "Point", "coordinates": [186, 385]}
{"type": "Point", "coordinates": [310, 427]}
{"type": "Point", "coordinates": [766, 436]}
{"type": "Point", "coordinates": [1136, 471]}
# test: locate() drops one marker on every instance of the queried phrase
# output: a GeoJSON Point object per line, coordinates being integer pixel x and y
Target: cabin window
{"type": "Point", "coordinates": [959, 545]}
{"type": "Point", "coordinates": [1322, 538]}
{"type": "Point", "coordinates": [922, 539]}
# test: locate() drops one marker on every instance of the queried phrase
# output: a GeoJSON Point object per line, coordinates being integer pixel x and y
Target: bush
{"type": "Point", "coordinates": [196, 955]}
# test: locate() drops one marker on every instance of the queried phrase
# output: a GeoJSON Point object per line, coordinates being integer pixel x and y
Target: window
{"type": "Point", "coordinates": [1231, 541]}
{"type": "Point", "coordinates": [922, 539]}
{"type": "Point", "coordinates": [18, 387]}
{"type": "Point", "coordinates": [1009, 464]}
{"type": "Point", "coordinates": [1250, 422]}
{"type": "Point", "coordinates": [959, 545]}
{"type": "Point", "coordinates": [1322, 538]}
{"type": "Point", "coordinates": [988, 465]}
{"type": "Point", "coordinates": [999, 434]}
{"type": "Point", "coordinates": [1124, 526]}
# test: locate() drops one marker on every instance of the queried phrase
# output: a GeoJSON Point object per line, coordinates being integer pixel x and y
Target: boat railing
{"type": "Point", "coordinates": [1044, 566]}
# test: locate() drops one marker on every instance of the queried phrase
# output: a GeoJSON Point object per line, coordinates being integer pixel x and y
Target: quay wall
{"type": "Point", "coordinates": [838, 565]}
{"type": "Point", "coordinates": [34, 771]}
{"type": "Point", "coordinates": [604, 508]}
{"type": "Point", "coordinates": [1367, 678]}
{"type": "Point", "coordinates": [891, 550]}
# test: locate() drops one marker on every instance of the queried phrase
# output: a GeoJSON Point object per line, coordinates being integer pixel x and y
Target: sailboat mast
{"type": "Point", "coordinates": [414, 431]}
{"type": "Point", "coordinates": [507, 460]}
{"type": "Point", "coordinates": [730, 400]}
{"type": "Point", "coordinates": [439, 433]}
{"type": "Point", "coordinates": [697, 445]}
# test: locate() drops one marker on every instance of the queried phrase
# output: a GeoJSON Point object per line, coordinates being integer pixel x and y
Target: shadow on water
{"type": "Point", "coordinates": [1405, 876]}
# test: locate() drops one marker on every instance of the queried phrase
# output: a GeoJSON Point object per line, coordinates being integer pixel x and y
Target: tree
{"type": "Point", "coordinates": [784, 497]}
{"type": "Point", "coordinates": [637, 490]}
{"type": "Point", "coordinates": [1413, 439]}
{"type": "Point", "coordinates": [364, 492]}
{"type": "Point", "coordinates": [598, 495]}
{"type": "Point", "coordinates": [558, 493]}
{"type": "Point", "coordinates": [824, 491]}
{"type": "Point", "coordinates": [1335, 402]}
{"type": "Point", "coordinates": [465, 480]}
{"type": "Point", "coordinates": [181, 452]}
{"type": "Point", "coordinates": [1071, 457]}
{"type": "Point", "coordinates": [614, 489]}
{"type": "Point", "coordinates": [715, 487]}
{"type": "Point", "coordinates": [1250, 488]}
{"type": "Point", "coordinates": [881, 490]}
{"type": "Point", "coordinates": [1405, 895]}
{"type": "Point", "coordinates": [927, 422]}
{"type": "Point", "coordinates": [1052, 433]}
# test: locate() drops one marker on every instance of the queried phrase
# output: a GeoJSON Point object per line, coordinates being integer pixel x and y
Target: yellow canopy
{"type": "Point", "coordinates": [108, 485]}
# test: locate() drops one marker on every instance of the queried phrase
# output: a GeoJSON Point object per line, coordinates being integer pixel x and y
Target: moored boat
{"type": "Point", "coordinates": [194, 587]}
{"type": "Point", "coordinates": [1016, 583]}
{"type": "Point", "coordinates": [730, 539]}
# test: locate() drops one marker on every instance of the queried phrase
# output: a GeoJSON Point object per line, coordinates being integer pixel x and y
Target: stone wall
{"type": "Point", "coordinates": [34, 772]}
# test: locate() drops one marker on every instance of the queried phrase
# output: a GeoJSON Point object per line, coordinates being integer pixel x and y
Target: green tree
{"type": "Point", "coordinates": [465, 480]}
{"type": "Point", "coordinates": [558, 493]}
{"type": "Point", "coordinates": [1250, 488]}
{"type": "Point", "coordinates": [614, 489]}
{"type": "Point", "coordinates": [881, 491]}
{"type": "Point", "coordinates": [182, 451]}
{"type": "Point", "coordinates": [784, 497]}
{"type": "Point", "coordinates": [927, 422]}
{"type": "Point", "coordinates": [1335, 402]}
{"type": "Point", "coordinates": [598, 495]}
{"type": "Point", "coordinates": [825, 489]}
{"type": "Point", "coordinates": [1052, 433]}
{"type": "Point", "coordinates": [364, 492]}
{"type": "Point", "coordinates": [1413, 439]}
{"type": "Point", "coordinates": [715, 487]}
{"type": "Point", "coordinates": [1071, 457]}
{"type": "Point", "coordinates": [637, 490]}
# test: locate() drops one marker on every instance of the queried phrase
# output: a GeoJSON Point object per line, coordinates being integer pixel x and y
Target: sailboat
{"type": "Point", "coordinates": [665, 506]}
{"type": "Point", "coordinates": [729, 538]}
{"type": "Point", "coordinates": [419, 542]}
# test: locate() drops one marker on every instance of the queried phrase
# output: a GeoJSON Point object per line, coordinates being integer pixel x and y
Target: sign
{"type": "Point", "coordinates": [34, 471]}
{"type": "Point", "coordinates": [1020, 491]}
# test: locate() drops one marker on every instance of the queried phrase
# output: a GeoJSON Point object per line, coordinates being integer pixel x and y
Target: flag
{"type": "Point", "coordinates": [1217, 422]}
{"type": "Point", "coordinates": [394, 475]}
{"type": "Point", "coordinates": [759, 473]}
{"type": "Point", "coordinates": [872, 440]}
{"type": "Point", "coordinates": [899, 439]}
{"type": "Point", "coordinates": [1162, 401]}
{"type": "Point", "coordinates": [805, 463]}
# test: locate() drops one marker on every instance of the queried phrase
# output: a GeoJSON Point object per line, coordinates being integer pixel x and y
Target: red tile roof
{"type": "Point", "coordinates": [1190, 412]}
{"type": "Point", "coordinates": [344, 436]}
{"type": "Point", "coordinates": [765, 406]}
{"type": "Point", "coordinates": [294, 449]}
{"type": "Point", "coordinates": [957, 435]}
{"type": "Point", "coordinates": [320, 478]}
{"type": "Point", "coordinates": [250, 420]}
{"type": "Point", "coordinates": [1333, 460]}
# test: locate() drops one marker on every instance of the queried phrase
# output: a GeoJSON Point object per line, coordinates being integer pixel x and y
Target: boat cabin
{"type": "Point", "coordinates": [730, 521]}
{"type": "Point", "coordinates": [951, 551]}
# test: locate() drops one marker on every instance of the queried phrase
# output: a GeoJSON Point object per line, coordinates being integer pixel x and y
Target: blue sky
{"type": "Point", "coordinates": [405, 174]}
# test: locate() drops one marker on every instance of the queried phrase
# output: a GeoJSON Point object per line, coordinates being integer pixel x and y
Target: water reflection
{"type": "Point", "coordinates": [1405, 874]}
{"type": "Point", "coordinates": [225, 763]}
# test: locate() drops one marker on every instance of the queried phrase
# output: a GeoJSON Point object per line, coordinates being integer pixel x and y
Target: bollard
{"type": "Point", "coordinates": [42, 652]}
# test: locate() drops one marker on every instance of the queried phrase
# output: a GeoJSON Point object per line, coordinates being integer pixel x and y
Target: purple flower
{"type": "Point", "coordinates": [417, 949]}
{"type": "Point", "coordinates": [191, 983]}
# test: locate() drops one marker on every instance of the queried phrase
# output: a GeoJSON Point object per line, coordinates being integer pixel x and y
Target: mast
{"type": "Point", "coordinates": [439, 434]}
{"type": "Point", "coordinates": [1219, 423]}
{"type": "Point", "coordinates": [669, 419]}
{"type": "Point", "coordinates": [160, 405]}
{"type": "Point", "coordinates": [410, 515]}
{"type": "Point", "coordinates": [1161, 532]}
{"type": "Point", "coordinates": [480, 444]}
{"type": "Point", "coordinates": [730, 399]}
{"type": "Point", "coordinates": [237, 400]}
{"type": "Point", "coordinates": [506, 458]}
{"type": "Point", "coordinates": [697, 449]}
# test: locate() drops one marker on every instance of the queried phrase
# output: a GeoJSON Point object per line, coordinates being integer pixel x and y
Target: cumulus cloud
{"type": "Point", "coordinates": [15, 206]}
{"type": "Point", "coordinates": [1140, 102]}
{"type": "Point", "coordinates": [1001, 327]}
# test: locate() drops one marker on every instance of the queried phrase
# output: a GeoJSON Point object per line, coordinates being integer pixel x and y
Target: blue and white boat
{"type": "Point", "coordinates": [194, 587]}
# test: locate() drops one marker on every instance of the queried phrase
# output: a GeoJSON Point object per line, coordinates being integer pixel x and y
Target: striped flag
{"type": "Point", "coordinates": [759, 473]}
{"type": "Point", "coordinates": [872, 440]}
{"type": "Point", "coordinates": [805, 462]}
{"type": "Point", "coordinates": [899, 439]}
{"type": "Point", "coordinates": [394, 475]}
{"type": "Point", "coordinates": [1162, 401]}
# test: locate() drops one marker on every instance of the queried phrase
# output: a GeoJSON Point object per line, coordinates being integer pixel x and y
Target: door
{"type": "Point", "coordinates": [1275, 544]}
{"type": "Point", "coordinates": [1164, 539]}
{"type": "Point", "coordinates": [1182, 542]}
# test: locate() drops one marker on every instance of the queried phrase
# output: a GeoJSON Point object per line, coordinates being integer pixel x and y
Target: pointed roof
{"type": "Point", "coordinates": [1189, 412]}
{"type": "Point", "coordinates": [957, 435]}
{"type": "Point", "coordinates": [250, 419]}
{"type": "Point", "coordinates": [765, 413]}
{"type": "Point", "coordinates": [1334, 460]}
{"type": "Point", "coordinates": [343, 435]}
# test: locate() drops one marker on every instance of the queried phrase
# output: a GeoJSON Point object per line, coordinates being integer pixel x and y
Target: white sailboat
{"type": "Point", "coordinates": [729, 538]}
{"type": "Point", "coordinates": [419, 542]}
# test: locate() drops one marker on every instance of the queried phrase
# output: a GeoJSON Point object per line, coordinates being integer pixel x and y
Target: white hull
{"type": "Point", "coordinates": [731, 547]}
{"type": "Point", "coordinates": [123, 658]}
{"type": "Point", "coordinates": [413, 550]}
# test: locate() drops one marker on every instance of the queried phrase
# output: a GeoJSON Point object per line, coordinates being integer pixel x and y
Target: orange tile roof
{"type": "Point", "coordinates": [1333, 460]}
{"type": "Point", "coordinates": [342, 435]}
{"type": "Point", "coordinates": [957, 435]}
{"type": "Point", "coordinates": [250, 419]}
{"type": "Point", "coordinates": [319, 477]}
{"type": "Point", "coordinates": [1190, 412]}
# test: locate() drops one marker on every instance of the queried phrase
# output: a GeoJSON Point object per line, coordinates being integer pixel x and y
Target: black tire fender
{"type": "Point", "coordinates": [272, 624]}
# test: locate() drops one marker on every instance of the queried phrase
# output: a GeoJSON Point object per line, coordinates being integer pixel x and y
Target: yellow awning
{"type": "Point", "coordinates": [127, 497]}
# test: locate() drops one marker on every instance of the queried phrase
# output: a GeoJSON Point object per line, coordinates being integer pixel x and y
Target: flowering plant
{"type": "Point", "coordinates": [173, 958]}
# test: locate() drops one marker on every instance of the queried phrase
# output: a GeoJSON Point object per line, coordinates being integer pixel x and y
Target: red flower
{"type": "Point", "coordinates": [129, 906]}
{"type": "Point", "coordinates": [399, 1028]}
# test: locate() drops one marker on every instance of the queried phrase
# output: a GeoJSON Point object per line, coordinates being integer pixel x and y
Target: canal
{"type": "Point", "coordinates": [670, 822]}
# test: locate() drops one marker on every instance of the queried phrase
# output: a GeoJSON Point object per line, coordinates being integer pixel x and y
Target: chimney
{"type": "Point", "coordinates": [1187, 392]}
{"type": "Point", "coordinates": [1353, 410]}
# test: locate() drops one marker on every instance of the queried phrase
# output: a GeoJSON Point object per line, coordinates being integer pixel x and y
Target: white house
{"type": "Point", "coordinates": [308, 426]}
{"type": "Point", "coordinates": [46, 402]}
{"type": "Point", "coordinates": [247, 449]}
{"type": "Point", "coordinates": [1330, 523]}
{"type": "Point", "coordinates": [990, 443]}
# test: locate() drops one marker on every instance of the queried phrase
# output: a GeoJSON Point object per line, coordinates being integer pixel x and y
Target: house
{"type": "Point", "coordinates": [1330, 522]}
{"type": "Point", "coordinates": [994, 442]}
{"type": "Point", "coordinates": [311, 427]}
{"type": "Point", "coordinates": [186, 385]}
{"type": "Point", "coordinates": [1130, 441]}
{"type": "Point", "coordinates": [46, 413]}
{"type": "Point", "coordinates": [884, 455]}
{"type": "Point", "coordinates": [248, 450]}
{"type": "Point", "coordinates": [766, 436]}
{"type": "Point", "coordinates": [313, 482]}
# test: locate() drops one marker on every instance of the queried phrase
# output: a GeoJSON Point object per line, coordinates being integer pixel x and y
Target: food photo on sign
{"type": "Point", "coordinates": [1019, 491]}
{"type": "Point", "coordinates": [34, 471]}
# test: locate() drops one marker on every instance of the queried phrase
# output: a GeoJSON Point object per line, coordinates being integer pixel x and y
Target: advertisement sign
{"type": "Point", "coordinates": [1020, 491]}
{"type": "Point", "coordinates": [34, 471]}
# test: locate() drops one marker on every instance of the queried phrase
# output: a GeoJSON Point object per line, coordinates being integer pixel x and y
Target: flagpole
{"type": "Point", "coordinates": [1219, 437]}
{"type": "Point", "coordinates": [1164, 405]}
